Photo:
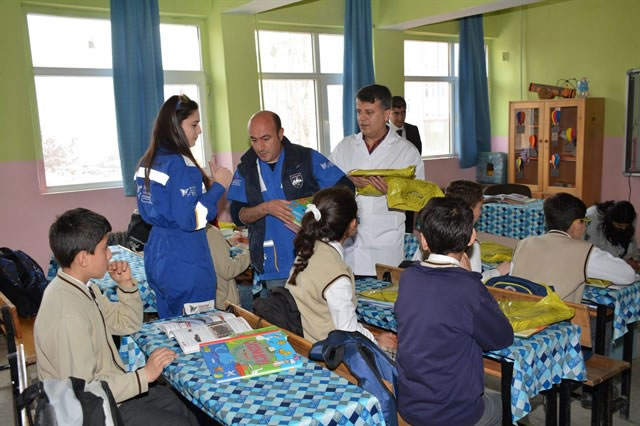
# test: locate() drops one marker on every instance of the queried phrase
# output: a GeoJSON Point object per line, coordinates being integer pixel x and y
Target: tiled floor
{"type": "Point", "coordinates": [579, 415]}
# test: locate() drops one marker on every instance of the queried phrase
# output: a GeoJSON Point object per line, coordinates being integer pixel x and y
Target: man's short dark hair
{"type": "Point", "coordinates": [74, 231]}
{"type": "Point", "coordinates": [561, 210]}
{"type": "Point", "coordinates": [276, 121]}
{"type": "Point", "coordinates": [446, 224]}
{"type": "Point", "coordinates": [398, 102]}
{"type": "Point", "coordinates": [373, 93]}
{"type": "Point", "coordinates": [470, 192]}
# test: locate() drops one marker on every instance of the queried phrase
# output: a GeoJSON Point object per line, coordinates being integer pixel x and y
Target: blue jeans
{"type": "Point", "coordinates": [271, 284]}
{"type": "Point", "coordinates": [245, 291]}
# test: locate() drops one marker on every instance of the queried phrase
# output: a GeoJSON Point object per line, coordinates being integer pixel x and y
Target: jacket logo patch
{"type": "Point", "coordinates": [296, 180]}
{"type": "Point", "coordinates": [326, 165]}
{"type": "Point", "coordinates": [187, 192]}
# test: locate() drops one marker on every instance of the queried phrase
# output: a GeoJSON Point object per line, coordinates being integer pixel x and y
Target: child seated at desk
{"type": "Point", "coordinates": [321, 283]}
{"type": "Point", "coordinates": [75, 324]}
{"type": "Point", "coordinates": [561, 258]}
{"type": "Point", "coordinates": [446, 319]}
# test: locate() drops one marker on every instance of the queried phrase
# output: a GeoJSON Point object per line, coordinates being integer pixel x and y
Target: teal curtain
{"type": "Point", "coordinates": [138, 82]}
{"type": "Point", "coordinates": [358, 58]}
{"type": "Point", "coordinates": [474, 133]}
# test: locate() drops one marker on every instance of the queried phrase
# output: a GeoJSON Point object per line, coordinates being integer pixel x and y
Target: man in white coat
{"type": "Point", "coordinates": [381, 230]}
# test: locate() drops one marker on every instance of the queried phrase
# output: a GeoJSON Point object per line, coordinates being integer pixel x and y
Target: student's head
{"type": "Point", "coordinates": [266, 134]}
{"type": "Point", "coordinates": [618, 222]}
{"type": "Point", "coordinates": [80, 235]}
{"type": "Point", "coordinates": [373, 107]}
{"type": "Point", "coordinates": [469, 192]}
{"type": "Point", "coordinates": [564, 212]}
{"type": "Point", "coordinates": [333, 217]}
{"type": "Point", "coordinates": [176, 129]}
{"type": "Point", "coordinates": [446, 226]}
{"type": "Point", "coordinates": [398, 111]}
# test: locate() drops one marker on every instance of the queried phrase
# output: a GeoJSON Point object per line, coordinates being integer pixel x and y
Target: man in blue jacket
{"type": "Point", "coordinates": [270, 174]}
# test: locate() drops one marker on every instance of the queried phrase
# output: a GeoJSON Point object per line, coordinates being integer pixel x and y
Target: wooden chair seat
{"type": "Point", "coordinates": [23, 330]}
{"type": "Point", "coordinates": [600, 369]}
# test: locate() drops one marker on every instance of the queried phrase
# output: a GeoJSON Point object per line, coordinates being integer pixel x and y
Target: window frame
{"type": "Point", "coordinates": [198, 78]}
{"type": "Point", "coordinates": [321, 81]}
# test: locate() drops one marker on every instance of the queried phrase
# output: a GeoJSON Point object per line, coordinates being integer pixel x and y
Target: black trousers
{"type": "Point", "coordinates": [160, 406]}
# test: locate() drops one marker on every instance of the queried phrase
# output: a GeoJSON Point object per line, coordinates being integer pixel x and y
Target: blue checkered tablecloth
{"type": "Point", "coordinates": [539, 362]}
{"type": "Point", "coordinates": [512, 220]}
{"type": "Point", "coordinates": [625, 302]}
{"type": "Point", "coordinates": [410, 245]}
{"type": "Point", "coordinates": [309, 395]}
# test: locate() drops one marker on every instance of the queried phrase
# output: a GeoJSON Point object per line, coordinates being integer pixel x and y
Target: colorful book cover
{"type": "Point", "coordinates": [298, 209]}
{"type": "Point", "coordinates": [264, 351]}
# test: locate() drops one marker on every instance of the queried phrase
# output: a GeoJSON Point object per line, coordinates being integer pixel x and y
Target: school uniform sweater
{"type": "Point", "coordinates": [446, 319]}
{"type": "Point", "coordinates": [73, 335]}
{"type": "Point", "coordinates": [325, 267]}
{"type": "Point", "coordinates": [555, 259]}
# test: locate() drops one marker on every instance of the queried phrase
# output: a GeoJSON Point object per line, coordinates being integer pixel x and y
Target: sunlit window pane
{"type": "Point", "coordinates": [191, 90]}
{"type": "Point", "coordinates": [295, 102]}
{"type": "Point", "coordinates": [180, 47]}
{"type": "Point", "coordinates": [77, 148]}
{"type": "Point", "coordinates": [285, 51]}
{"type": "Point", "coordinates": [336, 129]}
{"type": "Point", "coordinates": [426, 58]}
{"type": "Point", "coordinates": [429, 108]}
{"type": "Point", "coordinates": [331, 53]}
{"type": "Point", "coordinates": [69, 42]}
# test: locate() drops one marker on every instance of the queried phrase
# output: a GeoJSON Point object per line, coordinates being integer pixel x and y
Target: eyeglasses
{"type": "Point", "coordinates": [584, 220]}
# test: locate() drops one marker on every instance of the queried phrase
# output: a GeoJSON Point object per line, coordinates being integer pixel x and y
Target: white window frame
{"type": "Point", "coordinates": [321, 82]}
{"type": "Point", "coordinates": [170, 77]}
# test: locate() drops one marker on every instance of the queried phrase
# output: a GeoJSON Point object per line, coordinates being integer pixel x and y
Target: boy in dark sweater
{"type": "Point", "coordinates": [446, 319]}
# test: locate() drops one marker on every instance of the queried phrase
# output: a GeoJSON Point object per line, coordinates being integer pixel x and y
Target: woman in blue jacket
{"type": "Point", "coordinates": [178, 199]}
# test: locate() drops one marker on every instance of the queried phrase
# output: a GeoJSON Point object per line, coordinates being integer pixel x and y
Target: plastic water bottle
{"type": "Point", "coordinates": [583, 87]}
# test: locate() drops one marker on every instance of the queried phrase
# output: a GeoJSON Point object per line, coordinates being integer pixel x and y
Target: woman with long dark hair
{"type": "Point", "coordinates": [177, 197]}
{"type": "Point", "coordinates": [612, 229]}
{"type": "Point", "coordinates": [320, 281]}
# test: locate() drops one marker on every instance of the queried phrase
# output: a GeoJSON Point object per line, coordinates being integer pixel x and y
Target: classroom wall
{"type": "Point", "coordinates": [569, 39]}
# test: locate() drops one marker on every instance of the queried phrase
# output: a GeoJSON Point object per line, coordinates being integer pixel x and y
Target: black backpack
{"type": "Point", "coordinates": [138, 232]}
{"type": "Point", "coordinates": [280, 309]}
{"type": "Point", "coordinates": [70, 401]}
{"type": "Point", "coordinates": [22, 281]}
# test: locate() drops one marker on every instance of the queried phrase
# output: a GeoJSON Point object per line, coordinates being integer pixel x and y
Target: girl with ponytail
{"type": "Point", "coordinates": [320, 281]}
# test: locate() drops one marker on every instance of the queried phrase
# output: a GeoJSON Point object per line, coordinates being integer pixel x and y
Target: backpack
{"type": "Point", "coordinates": [280, 309]}
{"type": "Point", "coordinates": [521, 285]}
{"type": "Point", "coordinates": [365, 361]}
{"type": "Point", "coordinates": [22, 281]}
{"type": "Point", "coordinates": [70, 401]}
{"type": "Point", "coordinates": [137, 232]}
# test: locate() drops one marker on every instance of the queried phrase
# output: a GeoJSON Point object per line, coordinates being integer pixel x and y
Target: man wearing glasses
{"type": "Point", "coordinates": [561, 258]}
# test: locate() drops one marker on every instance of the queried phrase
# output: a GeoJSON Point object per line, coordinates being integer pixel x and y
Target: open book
{"type": "Point", "coordinates": [508, 198]}
{"type": "Point", "coordinates": [192, 332]}
{"type": "Point", "coordinates": [298, 209]}
{"type": "Point", "coordinates": [263, 351]}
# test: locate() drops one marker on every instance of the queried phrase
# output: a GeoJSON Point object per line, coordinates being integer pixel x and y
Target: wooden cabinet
{"type": "Point", "coordinates": [556, 146]}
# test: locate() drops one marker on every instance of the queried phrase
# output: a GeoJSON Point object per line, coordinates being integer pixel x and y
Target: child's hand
{"type": "Point", "coordinates": [387, 340]}
{"type": "Point", "coordinates": [504, 268]}
{"type": "Point", "coordinates": [156, 362]}
{"type": "Point", "coordinates": [121, 273]}
{"type": "Point", "coordinates": [235, 238]}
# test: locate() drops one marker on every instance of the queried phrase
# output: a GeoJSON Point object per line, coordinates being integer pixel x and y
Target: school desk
{"type": "Point", "coordinates": [309, 395]}
{"type": "Point", "coordinates": [539, 362]}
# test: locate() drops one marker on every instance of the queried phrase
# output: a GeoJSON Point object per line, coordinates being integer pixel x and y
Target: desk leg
{"type": "Point", "coordinates": [551, 397]}
{"type": "Point", "coordinates": [627, 355]}
{"type": "Point", "coordinates": [506, 372]}
{"type": "Point", "coordinates": [565, 402]}
{"type": "Point", "coordinates": [601, 329]}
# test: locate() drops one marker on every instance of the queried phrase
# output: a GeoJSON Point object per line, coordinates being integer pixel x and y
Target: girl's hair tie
{"type": "Point", "coordinates": [313, 209]}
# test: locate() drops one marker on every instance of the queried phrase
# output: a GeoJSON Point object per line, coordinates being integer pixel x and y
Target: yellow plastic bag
{"type": "Point", "coordinates": [410, 194]}
{"type": "Point", "coordinates": [492, 252]}
{"type": "Point", "coordinates": [526, 314]}
{"type": "Point", "coordinates": [370, 190]}
{"type": "Point", "coordinates": [385, 294]}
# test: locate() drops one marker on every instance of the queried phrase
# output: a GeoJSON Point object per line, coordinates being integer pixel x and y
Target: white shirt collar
{"type": "Point", "coordinates": [440, 261]}
{"type": "Point", "coordinates": [392, 127]}
{"type": "Point", "coordinates": [336, 245]}
{"type": "Point", "coordinates": [73, 279]}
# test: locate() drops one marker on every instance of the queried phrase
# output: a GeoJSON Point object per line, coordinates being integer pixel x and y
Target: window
{"type": "Point", "coordinates": [74, 93]}
{"type": "Point", "coordinates": [301, 80]}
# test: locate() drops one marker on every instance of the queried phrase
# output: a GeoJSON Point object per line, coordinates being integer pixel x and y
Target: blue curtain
{"type": "Point", "coordinates": [474, 133]}
{"type": "Point", "coordinates": [358, 58]}
{"type": "Point", "coordinates": [138, 82]}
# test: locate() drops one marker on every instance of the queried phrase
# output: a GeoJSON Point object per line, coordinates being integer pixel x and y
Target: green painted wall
{"type": "Point", "coordinates": [389, 12]}
{"type": "Point", "coordinates": [565, 39]}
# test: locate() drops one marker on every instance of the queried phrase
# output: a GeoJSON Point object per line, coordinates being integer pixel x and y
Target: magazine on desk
{"type": "Point", "coordinates": [264, 351]}
{"type": "Point", "coordinates": [190, 333]}
{"type": "Point", "coordinates": [508, 199]}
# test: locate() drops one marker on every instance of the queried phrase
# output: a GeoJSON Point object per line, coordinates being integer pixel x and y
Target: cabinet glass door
{"type": "Point", "coordinates": [526, 133]}
{"type": "Point", "coordinates": [562, 145]}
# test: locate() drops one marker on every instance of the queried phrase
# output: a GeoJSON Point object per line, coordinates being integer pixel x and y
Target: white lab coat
{"type": "Point", "coordinates": [380, 231]}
